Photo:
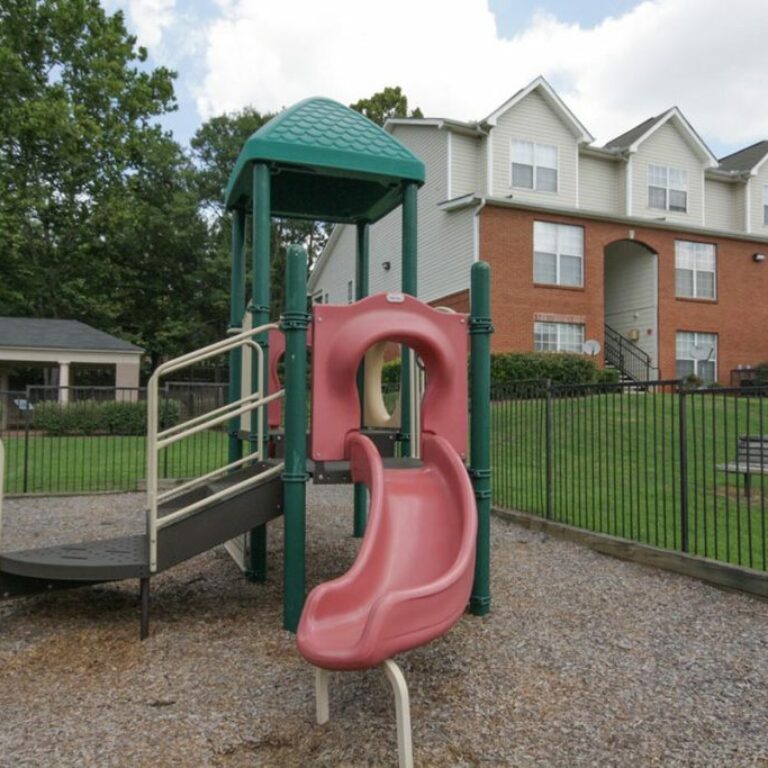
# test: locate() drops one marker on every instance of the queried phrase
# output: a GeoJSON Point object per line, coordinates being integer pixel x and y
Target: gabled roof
{"type": "Point", "coordinates": [554, 101]}
{"type": "Point", "coordinates": [40, 333]}
{"type": "Point", "coordinates": [328, 162]}
{"type": "Point", "coordinates": [747, 159]}
{"type": "Point", "coordinates": [632, 139]}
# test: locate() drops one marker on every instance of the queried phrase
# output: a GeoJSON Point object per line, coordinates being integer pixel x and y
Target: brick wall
{"type": "Point", "coordinates": [739, 314]}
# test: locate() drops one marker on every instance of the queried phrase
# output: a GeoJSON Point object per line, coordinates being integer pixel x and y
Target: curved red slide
{"type": "Point", "coordinates": [412, 578]}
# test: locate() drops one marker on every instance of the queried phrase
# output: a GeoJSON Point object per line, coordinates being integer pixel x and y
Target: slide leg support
{"type": "Point", "coordinates": [321, 695]}
{"type": "Point", "coordinates": [402, 713]}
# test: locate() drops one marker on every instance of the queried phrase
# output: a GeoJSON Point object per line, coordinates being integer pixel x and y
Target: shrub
{"type": "Point", "coordinates": [559, 367]}
{"type": "Point", "coordinates": [390, 372]}
{"type": "Point", "coordinates": [97, 417]}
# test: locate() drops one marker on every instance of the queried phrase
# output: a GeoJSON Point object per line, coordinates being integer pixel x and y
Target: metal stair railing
{"type": "Point", "coordinates": [627, 357]}
{"type": "Point", "coordinates": [158, 440]}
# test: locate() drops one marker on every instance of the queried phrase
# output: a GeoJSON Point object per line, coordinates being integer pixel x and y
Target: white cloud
{"type": "Point", "coordinates": [150, 18]}
{"type": "Point", "coordinates": [449, 60]}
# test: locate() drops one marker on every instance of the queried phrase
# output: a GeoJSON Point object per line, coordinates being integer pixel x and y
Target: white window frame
{"type": "Point", "coordinates": [535, 147]}
{"type": "Point", "coordinates": [668, 188]}
{"type": "Point", "coordinates": [559, 253]}
{"type": "Point", "coordinates": [697, 249]}
{"type": "Point", "coordinates": [350, 291]}
{"type": "Point", "coordinates": [559, 329]}
{"type": "Point", "coordinates": [317, 297]}
{"type": "Point", "coordinates": [696, 335]}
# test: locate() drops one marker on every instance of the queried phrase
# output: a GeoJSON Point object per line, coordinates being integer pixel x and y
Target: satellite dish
{"type": "Point", "coordinates": [702, 352]}
{"type": "Point", "coordinates": [591, 347]}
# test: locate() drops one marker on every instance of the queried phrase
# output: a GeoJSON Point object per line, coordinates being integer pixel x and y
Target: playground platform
{"type": "Point", "coordinates": [585, 660]}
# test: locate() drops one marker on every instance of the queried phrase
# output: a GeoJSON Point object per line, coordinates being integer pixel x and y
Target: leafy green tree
{"type": "Point", "coordinates": [98, 216]}
{"type": "Point", "coordinates": [391, 102]}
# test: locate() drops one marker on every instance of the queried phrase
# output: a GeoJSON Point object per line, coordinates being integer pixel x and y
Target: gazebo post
{"type": "Point", "coordinates": [409, 285]}
{"type": "Point", "coordinates": [63, 381]}
{"type": "Point", "coordinates": [361, 291]}
{"type": "Point", "coordinates": [262, 235]}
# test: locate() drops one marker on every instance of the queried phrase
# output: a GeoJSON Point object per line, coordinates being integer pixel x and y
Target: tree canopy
{"type": "Point", "coordinates": [391, 102]}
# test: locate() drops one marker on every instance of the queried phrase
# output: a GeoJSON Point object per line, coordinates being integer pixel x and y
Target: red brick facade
{"type": "Point", "coordinates": [738, 315]}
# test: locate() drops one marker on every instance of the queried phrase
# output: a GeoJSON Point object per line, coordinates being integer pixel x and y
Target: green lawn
{"type": "Point", "coordinates": [616, 468]}
{"type": "Point", "coordinates": [102, 463]}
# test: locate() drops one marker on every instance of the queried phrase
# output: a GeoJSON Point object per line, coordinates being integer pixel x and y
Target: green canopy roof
{"type": "Point", "coordinates": [328, 162]}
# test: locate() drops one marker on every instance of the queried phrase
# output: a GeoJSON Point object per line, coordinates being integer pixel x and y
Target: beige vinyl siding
{"type": "Point", "coordinates": [667, 147]}
{"type": "Point", "coordinates": [532, 119]}
{"type": "Point", "coordinates": [630, 294]}
{"type": "Point", "coordinates": [600, 185]}
{"type": "Point", "coordinates": [720, 199]}
{"type": "Point", "coordinates": [740, 207]}
{"type": "Point", "coordinates": [466, 160]}
{"type": "Point", "coordinates": [756, 200]}
{"type": "Point", "coordinates": [445, 240]}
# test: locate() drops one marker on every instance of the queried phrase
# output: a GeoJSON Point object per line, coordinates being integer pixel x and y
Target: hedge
{"type": "Point", "coordinates": [508, 367]}
{"type": "Point", "coordinates": [98, 417]}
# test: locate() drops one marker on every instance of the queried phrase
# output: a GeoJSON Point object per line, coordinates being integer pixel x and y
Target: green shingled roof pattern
{"type": "Point", "coordinates": [326, 123]}
{"type": "Point", "coordinates": [328, 162]}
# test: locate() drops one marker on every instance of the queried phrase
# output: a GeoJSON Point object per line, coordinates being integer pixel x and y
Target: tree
{"type": "Point", "coordinates": [391, 102]}
{"type": "Point", "coordinates": [98, 220]}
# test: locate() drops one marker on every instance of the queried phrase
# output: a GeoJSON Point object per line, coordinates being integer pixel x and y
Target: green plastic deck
{"type": "Point", "coordinates": [328, 163]}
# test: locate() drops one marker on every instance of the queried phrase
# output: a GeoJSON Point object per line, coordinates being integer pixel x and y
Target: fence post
{"type": "Point", "coordinates": [548, 446]}
{"type": "Point", "coordinates": [27, 418]}
{"type": "Point", "coordinates": [683, 443]}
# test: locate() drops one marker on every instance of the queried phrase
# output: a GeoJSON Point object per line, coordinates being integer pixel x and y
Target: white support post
{"type": "Point", "coordinates": [402, 713]}
{"type": "Point", "coordinates": [321, 695]}
{"type": "Point", "coordinates": [64, 381]}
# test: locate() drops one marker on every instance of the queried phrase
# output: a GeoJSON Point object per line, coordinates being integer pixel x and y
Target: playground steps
{"type": "Point", "coordinates": [66, 566]}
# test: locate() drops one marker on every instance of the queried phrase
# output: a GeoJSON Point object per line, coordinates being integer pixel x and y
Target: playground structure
{"type": "Point", "coordinates": [429, 514]}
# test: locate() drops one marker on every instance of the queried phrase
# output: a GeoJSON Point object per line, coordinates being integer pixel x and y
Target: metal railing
{"type": "Point", "coordinates": [158, 440]}
{"type": "Point", "coordinates": [665, 465]}
{"type": "Point", "coordinates": [626, 357]}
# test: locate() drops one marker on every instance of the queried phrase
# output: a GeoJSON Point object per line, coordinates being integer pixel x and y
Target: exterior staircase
{"type": "Point", "coordinates": [621, 354]}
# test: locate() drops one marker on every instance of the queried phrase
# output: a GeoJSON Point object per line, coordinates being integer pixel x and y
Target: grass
{"type": "Point", "coordinates": [616, 468]}
{"type": "Point", "coordinates": [102, 463]}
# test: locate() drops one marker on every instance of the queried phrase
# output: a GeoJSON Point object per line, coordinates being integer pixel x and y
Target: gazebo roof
{"type": "Point", "coordinates": [328, 162]}
{"type": "Point", "coordinates": [43, 333]}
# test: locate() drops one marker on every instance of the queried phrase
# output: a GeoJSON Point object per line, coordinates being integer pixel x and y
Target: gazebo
{"type": "Point", "coordinates": [61, 345]}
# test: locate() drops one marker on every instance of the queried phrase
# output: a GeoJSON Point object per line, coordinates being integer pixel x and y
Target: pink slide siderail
{"type": "Point", "coordinates": [413, 575]}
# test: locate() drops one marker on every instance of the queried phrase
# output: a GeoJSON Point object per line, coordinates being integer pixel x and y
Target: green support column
{"type": "Point", "coordinates": [294, 324]}
{"type": "Point", "coordinates": [409, 285]}
{"type": "Point", "coordinates": [361, 291]}
{"type": "Point", "coordinates": [236, 312]}
{"type": "Point", "coordinates": [260, 268]}
{"type": "Point", "coordinates": [480, 330]}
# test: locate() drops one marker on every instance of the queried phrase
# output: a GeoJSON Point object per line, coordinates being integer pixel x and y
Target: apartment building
{"type": "Point", "coordinates": [649, 244]}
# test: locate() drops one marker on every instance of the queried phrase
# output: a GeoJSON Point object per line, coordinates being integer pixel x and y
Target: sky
{"type": "Point", "coordinates": [614, 62]}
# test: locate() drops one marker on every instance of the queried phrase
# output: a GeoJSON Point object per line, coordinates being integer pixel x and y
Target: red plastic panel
{"type": "Point", "coordinates": [412, 577]}
{"type": "Point", "coordinates": [342, 334]}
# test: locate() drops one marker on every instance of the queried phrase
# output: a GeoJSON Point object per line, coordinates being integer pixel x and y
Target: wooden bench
{"type": "Point", "coordinates": [751, 459]}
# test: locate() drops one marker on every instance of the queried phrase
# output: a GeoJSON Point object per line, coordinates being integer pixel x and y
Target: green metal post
{"type": "Point", "coordinates": [294, 324]}
{"type": "Point", "coordinates": [409, 285]}
{"type": "Point", "coordinates": [260, 267]}
{"type": "Point", "coordinates": [236, 312]}
{"type": "Point", "coordinates": [480, 330]}
{"type": "Point", "coordinates": [361, 291]}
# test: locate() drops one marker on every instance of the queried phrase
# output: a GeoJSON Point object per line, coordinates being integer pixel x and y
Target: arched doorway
{"type": "Point", "coordinates": [631, 287]}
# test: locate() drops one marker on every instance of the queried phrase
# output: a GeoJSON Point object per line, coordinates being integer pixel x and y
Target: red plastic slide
{"type": "Point", "coordinates": [412, 578]}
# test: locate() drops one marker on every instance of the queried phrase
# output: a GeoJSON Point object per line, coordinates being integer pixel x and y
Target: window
{"type": "Point", "coordinates": [695, 267]}
{"type": "Point", "coordinates": [667, 188]}
{"type": "Point", "coordinates": [534, 166]}
{"type": "Point", "coordinates": [697, 355]}
{"type": "Point", "coordinates": [318, 298]}
{"type": "Point", "coordinates": [558, 337]}
{"type": "Point", "coordinates": [558, 254]}
{"type": "Point", "coordinates": [765, 204]}
{"type": "Point", "coordinates": [350, 292]}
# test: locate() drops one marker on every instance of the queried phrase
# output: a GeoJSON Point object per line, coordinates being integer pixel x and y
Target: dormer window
{"type": "Point", "coordinates": [667, 188]}
{"type": "Point", "coordinates": [534, 166]}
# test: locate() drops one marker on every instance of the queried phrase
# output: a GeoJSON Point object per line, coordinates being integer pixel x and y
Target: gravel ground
{"type": "Point", "coordinates": [585, 660]}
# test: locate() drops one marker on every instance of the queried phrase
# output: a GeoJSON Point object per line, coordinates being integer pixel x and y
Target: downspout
{"type": "Point", "coordinates": [476, 229]}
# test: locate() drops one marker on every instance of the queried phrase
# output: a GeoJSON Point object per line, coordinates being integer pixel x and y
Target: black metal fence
{"type": "Point", "coordinates": [683, 469]}
{"type": "Point", "coordinates": [87, 439]}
